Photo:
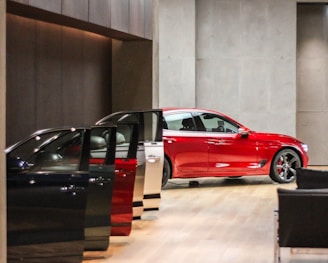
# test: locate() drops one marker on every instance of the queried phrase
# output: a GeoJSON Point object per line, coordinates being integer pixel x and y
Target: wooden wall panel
{"type": "Point", "coordinates": [118, 19]}
{"type": "Point", "coordinates": [20, 77]}
{"type": "Point", "coordinates": [100, 12]}
{"type": "Point", "coordinates": [96, 83]}
{"type": "Point", "coordinates": [137, 17]}
{"type": "Point", "coordinates": [132, 80]}
{"type": "Point", "coordinates": [75, 9]}
{"type": "Point", "coordinates": [72, 75]}
{"type": "Point", "coordinates": [48, 76]}
{"type": "Point", "coordinates": [96, 78]}
{"type": "Point", "coordinates": [26, 2]}
{"type": "Point", "coordinates": [120, 15]}
{"type": "Point", "coordinates": [57, 76]}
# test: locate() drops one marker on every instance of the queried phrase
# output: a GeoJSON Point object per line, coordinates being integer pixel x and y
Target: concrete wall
{"type": "Point", "coordinates": [237, 56]}
{"type": "Point", "coordinates": [312, 81]}
{"type": "Point", "coordinates": [177, 73]}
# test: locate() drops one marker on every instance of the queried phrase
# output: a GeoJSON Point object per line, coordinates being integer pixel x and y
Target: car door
{"type": "Point", "coordinates": [150, 156]}
{"type": "Point", "coordinates": [121, 119]}
{"type": "Point", "coordinates": [126, 138]}
{"type": "Point", "coordinates": [124, 183]}
{"type": "Point", "coordinates": [102, 149]}
{"type": "Point", "coordinates": [154, 158]}
{"type": "Point", "coordinates": [185, 144]}
{"type": "Point", "coordinates": [229, 152]}
{"type": "Point", "coordinates": [46, 197]}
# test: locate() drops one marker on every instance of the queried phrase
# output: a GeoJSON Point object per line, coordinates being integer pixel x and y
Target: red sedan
{"type": "Point", "coordinates": [206, 143]}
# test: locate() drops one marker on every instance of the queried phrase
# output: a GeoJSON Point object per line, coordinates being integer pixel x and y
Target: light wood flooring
{"type": "Point", "coordinates": [221, 220]}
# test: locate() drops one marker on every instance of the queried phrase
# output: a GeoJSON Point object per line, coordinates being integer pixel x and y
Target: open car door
{"type": "Point", "coordinates": [154, 157]}
{"type": "Point", "coordinates": [150, 156]}
{"type": "Point", "coordinates": [121, 215]}
{"type": "Point", "coordinates": [46, 196]}
{"type": "Point", "coordinates": [99, 202]}
{"type": "Point", "coordinates": [125, 174]}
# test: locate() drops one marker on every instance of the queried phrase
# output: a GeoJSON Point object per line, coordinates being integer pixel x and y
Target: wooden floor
{"type": "Point", "coordinates": [221, 220]}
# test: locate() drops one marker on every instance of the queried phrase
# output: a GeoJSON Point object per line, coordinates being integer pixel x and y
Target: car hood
{"type": "Point", "coordinates": [276, 137]}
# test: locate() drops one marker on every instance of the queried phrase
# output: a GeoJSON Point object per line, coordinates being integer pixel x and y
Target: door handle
{"type": "Point", "coordinates": [71, 189]}
{"type": "Point", "coordinates": [169, 140]}
{"type": "Point", "coordinates": [99, 180]}
{"type": "Point", "coordinates": [152, 158]}
{"type": "Point", "coordinates": [121, 172]}
{"type": "Point", "coordinates": [215, 142]}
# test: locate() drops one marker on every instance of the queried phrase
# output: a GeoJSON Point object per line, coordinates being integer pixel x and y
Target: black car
{"type": "Point", "coordinates": [57, 203]}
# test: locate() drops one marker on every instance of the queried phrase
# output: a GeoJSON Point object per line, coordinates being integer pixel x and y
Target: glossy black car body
{"type": "Point", "coordinates": [58, 204]}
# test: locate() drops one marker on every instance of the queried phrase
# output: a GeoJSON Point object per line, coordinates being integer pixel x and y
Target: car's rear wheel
{"type": "Point", "coordinates": [284, 165]}
{"type": "Point", "coordinates": [166, 172]}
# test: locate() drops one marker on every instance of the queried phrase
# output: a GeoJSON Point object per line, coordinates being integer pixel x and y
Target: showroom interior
{"type": "Point", "coordinates": [71, 62]}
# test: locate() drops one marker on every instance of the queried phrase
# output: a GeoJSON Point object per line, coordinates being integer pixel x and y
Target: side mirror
{"type": "Point", "coordinates": [243, 133]}
{"type": "Point", "coordinates": [16, 164]}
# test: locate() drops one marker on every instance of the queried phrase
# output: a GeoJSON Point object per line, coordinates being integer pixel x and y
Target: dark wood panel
{"type": "Point", "coordinates": [120, 15]}
{"type": "Point", "coordinates": [132, 75]}
{"type": "Point", "coordinates": [76, 14]}
{"type": "Point", "coordinates": [100, 12]}
{"type": "Point", "coordinates": [136, 17]}
{"type": "Point", "coordinates": [20, 78]}
{"type": "Point", "coordinates": [56, 76]}
{"type": "Point", "coordinates": [72, 76]}
{"type": "Point", "coordinates": [48, 76]}
{"type": "Point", "coordinates": [76, 9]}
{"type": "Point", "coordinates": [21, 1]}
{"type": "Point", "coordinates": [96, 78]}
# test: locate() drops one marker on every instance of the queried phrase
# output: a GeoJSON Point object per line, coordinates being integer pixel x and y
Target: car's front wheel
{"type": "Point", "coordinates": [166, 172]}
{"type": "Point", "coordinates": [284, 165]}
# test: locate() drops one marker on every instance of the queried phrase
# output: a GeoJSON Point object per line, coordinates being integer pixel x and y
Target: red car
{"type": "Point", "coordinates": [206, 143]}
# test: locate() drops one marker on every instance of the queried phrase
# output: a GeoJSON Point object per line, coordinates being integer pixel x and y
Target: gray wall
{"type": "Point", "coordinates": [233, 56]}
{"type": "Point", "coordinates": [177, 72]}
{"type": "Point", "coordinates": [312, 82]}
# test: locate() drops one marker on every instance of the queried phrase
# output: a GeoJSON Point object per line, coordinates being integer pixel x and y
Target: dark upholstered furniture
{"type": "Point", "coordinates": [311, 179]}
{"type": "Point", "coordinates": [302, 218]}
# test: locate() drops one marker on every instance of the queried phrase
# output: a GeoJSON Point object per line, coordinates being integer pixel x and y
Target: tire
{"type": "Point", "coordinates": [166, 172]}
{"type": "Point", "coordinates": [284, 165]}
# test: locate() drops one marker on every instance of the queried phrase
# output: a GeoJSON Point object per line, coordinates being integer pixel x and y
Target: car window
{"type": "Point", "coordinates": [152, 132]}
{"type": "Point", "coordinates": [124, 138]}
{"type": "Point", "coordinates": [122, 117]}
{"type": "Point", "coordinates": [55, 151]}
{"type": "Point", "coordinates": [216, 123]}
{"type": "Point", "coordinates": [179, 122]}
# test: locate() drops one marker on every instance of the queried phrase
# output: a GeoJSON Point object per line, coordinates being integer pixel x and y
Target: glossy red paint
{"type": "Point", "coordinates": [232, 149]}
{"type": "Point", "coordinates": [122, 199]}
